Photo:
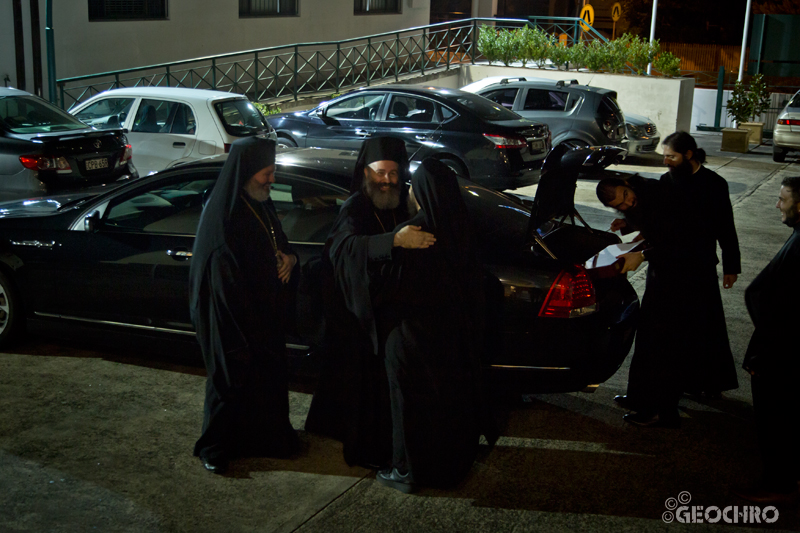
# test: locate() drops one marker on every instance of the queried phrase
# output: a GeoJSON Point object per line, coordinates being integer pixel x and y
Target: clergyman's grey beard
{"type": "Point", "coordinates": [255, 191]}
{"type": "Point", "coordinates": [383, 200]}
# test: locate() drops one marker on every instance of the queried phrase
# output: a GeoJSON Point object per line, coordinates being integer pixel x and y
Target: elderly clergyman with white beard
{"type": "Point", "coordinates": [351, 402]}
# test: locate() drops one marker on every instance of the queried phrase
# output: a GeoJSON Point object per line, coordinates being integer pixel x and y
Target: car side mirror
{"type": "Point", "coordinates": [92, 222]}
{"type": "Point", "coordinates": [323, 115]}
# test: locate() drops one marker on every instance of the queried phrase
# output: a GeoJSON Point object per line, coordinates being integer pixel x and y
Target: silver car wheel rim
{"type": "Point", "coordinates": [3, 309]}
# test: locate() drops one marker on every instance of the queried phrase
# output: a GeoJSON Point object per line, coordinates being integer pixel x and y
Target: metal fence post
{"type": "Point", "coordinates": [61, 90]}
{"type": "Point", "coordinates": [396, 56]}
{"type": "Point", "coordinates": [214, 73]}
{"type": "Point", "coordinates": [474, 39]}
{"type": "Point", "coordinates": [424, 50]}
{"type": "Point", "coordinates": [167, 69]}
{"type": "Point", "coordinates": [447, 47]}
{"type": "Point", "coordinates": [369, 46]}
{"type": "Point", "coordinates": [720, 88]}
{"type": "Point", "coordinates": [255, 77]}
{"type": "Point", "coordinates": [294, 88]}
{"type": "Point", "coordinates": [116, 80]}
{"type": "Point", "coordinates": [338, 50]}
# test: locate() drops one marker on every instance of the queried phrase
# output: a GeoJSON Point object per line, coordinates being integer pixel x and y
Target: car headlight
{"type": "Point", "coordinates": [633, 131]}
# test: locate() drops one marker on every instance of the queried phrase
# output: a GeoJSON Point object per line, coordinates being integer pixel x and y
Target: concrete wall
{"type": "Point", "coordinates": [667, 101]}
{"type": "Point", "coordinates": [195, 28]}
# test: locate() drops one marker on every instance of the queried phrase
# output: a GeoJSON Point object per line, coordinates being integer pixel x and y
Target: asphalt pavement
{"type": "Point", "coordinates": [95, 440]}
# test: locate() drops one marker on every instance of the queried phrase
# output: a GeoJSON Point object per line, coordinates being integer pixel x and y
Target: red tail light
{"type": "Point", "coordinates": [40, 162]}
{"type": "Point", "coordinates": [126, 154]}
{"type": "Point", "coordinates": [789, 121]}
{"type": "Point", "coordinates": [501, 141]}
{"type": "Point", "coordinates": [227, 147]}
{"type": "Point", "coordinates": [571, 295]}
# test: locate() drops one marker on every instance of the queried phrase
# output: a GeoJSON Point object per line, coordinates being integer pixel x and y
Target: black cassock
{"type": "Point", "coordinates": [351, 400]}
{"type": "Point", "coordinates": [773, 355]}
{"type": "Point", "coordinates": [433, 351]}
{"type": "Point", "coordinates": [238, 307]}
{"type": "Point", "coordinates": [674, 318]}
{"type": "Point", "coordinates": [704, 195]}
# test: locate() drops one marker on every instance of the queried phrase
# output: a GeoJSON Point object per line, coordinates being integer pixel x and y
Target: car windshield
{"type": "Point", "coordinates": [29, 114]}
{"type": "Point", "coordinates": [240, 117]}
{"type": "Point", "coordinates": [485, 109]}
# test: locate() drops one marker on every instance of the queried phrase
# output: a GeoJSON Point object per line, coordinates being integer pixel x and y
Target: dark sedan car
{"type": "Point", "coordinates": [44, 149]}
{"type": "Point", "coordinates": [117, 264]}
{"type": "Point", "coordinates": [480, 140]}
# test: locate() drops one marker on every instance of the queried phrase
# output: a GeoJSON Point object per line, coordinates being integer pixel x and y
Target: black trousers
{"type": "Point", "coordinates": [777, 409]}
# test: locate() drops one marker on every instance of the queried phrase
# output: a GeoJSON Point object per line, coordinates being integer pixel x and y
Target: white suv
{"type": "Point", "coordinates": [171, 125]}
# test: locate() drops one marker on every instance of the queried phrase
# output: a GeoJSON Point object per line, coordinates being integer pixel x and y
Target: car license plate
{"type": "Point", "coordinates": [96, 164]}
{"type": "Point", "coordinates": [537, 146]}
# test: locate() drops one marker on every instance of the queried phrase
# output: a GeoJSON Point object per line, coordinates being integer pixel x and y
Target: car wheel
{"type": "Point", "coordinates": [286, 142]}
{"type": "Point", "coordinates": [457, 167]}
{"type": "Point", "coordinates": [12, 319]}
{"type": "Point", "coordinates": [778, 154]}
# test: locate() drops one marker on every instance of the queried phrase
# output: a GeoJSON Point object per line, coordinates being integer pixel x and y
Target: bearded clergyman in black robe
{"type": "Point", "coordinates": [241, 267]}
{"type": "Point", "coordinates": [773, 360]}
{"type": "Point", "coordinates": [351, 401]}
{"type": "Point", "coordinates": [704, 194]}
{"type": "Point", "coordinates": [433, 352]}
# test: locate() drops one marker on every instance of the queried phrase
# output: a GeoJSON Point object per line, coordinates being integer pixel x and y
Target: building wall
{"type": "Point", "coordinates": [195, 28]}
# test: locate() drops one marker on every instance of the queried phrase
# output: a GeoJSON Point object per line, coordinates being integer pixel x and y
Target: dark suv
{"type": "Point", "coordinates": [44, 149]}
{"type": "Point", "coordinates": [578, 115]}
{"type": "Point", "coordinates": [480, 140]}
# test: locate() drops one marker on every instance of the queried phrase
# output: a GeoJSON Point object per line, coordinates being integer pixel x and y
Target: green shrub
{"type": "Point", "coordinates": [507, 46]}
{"type": "Point", "coordinates": [533, 45]}
{"type": "Point", "coordinates": [596, 55]}
{"type": "Point", "coordinates": [641, 53]}
{"type": "Point", "coordinates": [559, 54]}
{"type": "Point", "coordinates": [759, 95]}
{"type": "Point", "coordinates": [487, 43]}
{"type": "Point", "coordinates": [578, 56]}
{"type": "Point", "coordinates": [740, 106]}
{"type": "Point", "coordinates": [267, 109]}
{"type": "Point", "coordinates": [668, 64]}
{"type": "Point", "coordinates": [617, 52]}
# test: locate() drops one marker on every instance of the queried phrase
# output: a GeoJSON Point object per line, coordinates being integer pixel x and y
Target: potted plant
{"type": "Point", "coordinates": [759, 103]}
{"type": "Point", "coordinates": [740, 109]}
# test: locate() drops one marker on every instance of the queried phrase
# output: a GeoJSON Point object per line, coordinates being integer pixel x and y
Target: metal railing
{"type": "Point", "coordinates": [296, 70]}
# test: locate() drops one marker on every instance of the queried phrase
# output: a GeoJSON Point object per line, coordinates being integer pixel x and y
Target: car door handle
{"type": "Point", "coordinates": [363, 133]}
{"type": "Point", "coordinates": [178, 145]}
{"type": "Point", "coordinates": [35, 244]}
{"type": "Point", "coordinates": [179, 255]}
{"type": "Point", "coordinates": [423, 137]}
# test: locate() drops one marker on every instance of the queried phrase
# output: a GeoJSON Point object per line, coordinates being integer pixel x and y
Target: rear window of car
{"type": "Point", "coordinates": [240, 118]}
{"type": "Point", "coordinates": [483, 108]}
{"type": "Point", "coordinates": [29, 114]}
{"type": "Point", "coordinates": [795, 101]}
{"type": "Point", "coordinates": [609, 106]}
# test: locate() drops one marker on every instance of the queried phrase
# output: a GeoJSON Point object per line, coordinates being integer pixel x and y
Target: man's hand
{"type": "Point", "coordinates": [618, 224]}
{"type": "Point", "coordinates": [728, 280]}
{"type": "Point", "coordinates": [632, 261]}
{"type": "Point", "coordinates": [412, 237]}
{"type": "Point", "coordinates": [286, 264]}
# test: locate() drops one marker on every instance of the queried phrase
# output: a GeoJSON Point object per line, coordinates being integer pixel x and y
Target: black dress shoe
{"type": "Point", "coordinates": [624, 402]}
{"type": "Point", "coordinates": [392, 478]}
{"type": "Point", "coordinates": [216, 465]}
{"type": "Point", "coordinates": [652, 420]}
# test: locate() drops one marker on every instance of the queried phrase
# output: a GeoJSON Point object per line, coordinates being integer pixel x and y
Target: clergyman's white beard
{"type": "Point", "coordinates": [382, 199]}
{"type": "Point", "coordinates": [256, 191]}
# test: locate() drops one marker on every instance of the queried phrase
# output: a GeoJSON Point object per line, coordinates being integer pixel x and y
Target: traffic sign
{"type": "Point", "coordinates": [587, 16]}
{"type": "Point", "coordinates": [616, 11]}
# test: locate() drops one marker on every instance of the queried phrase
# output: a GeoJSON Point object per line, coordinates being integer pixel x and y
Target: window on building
{"type": "Point", "coordinates": [268, 8]}
{"type": "Point", "coordinates": [377, 6]}
{"type": "Point", "coordinates": [127, 10]}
